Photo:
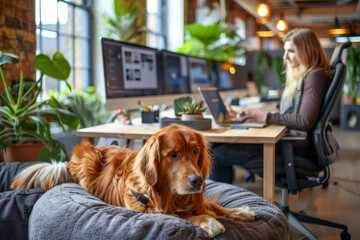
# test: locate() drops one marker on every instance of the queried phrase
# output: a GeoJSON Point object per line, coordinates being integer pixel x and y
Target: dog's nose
{"type": "Point", "coordinates": [195, 180]}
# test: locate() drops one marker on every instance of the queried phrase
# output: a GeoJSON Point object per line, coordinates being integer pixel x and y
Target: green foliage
{"type": "Point", "coordinates": [128, 23]}
{"type": "Point", "coordinates": [215, 42]}
{"type": "Point", "coordinates": [263, 62]}
{"type": "Point", "coordinates": [86, 105]}
{"type": "Point", "coordinates": [278, 67]}
{"type": "Point", "coordinates": [351, 86]}
{"type": "Point", "coordinates": [24, 117]}
{"type": "Point", "coordinates": [180, 101]}
{"type": "Point", "coordinates": [193, 107]}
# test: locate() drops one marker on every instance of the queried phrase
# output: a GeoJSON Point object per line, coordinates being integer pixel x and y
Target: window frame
{"type": "Point", "coordinates": [87, 6]}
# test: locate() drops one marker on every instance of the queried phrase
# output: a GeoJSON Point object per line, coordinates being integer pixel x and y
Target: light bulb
{"type": "Point", "coordinates": [263, 10]}
{"type": "Point", "coordinates": [281, 25]}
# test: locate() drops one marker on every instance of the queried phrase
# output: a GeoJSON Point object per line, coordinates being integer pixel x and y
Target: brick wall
{"type": "Point", "coordinates": [190, 11]}
{"type": "Point", "coordinates": [17, 35]}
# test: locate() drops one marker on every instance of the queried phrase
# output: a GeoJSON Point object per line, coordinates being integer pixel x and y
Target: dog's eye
{"type": "Point", "coordinates": [196, 152]}
{"type": "Point", "coordinates": [173, 155]}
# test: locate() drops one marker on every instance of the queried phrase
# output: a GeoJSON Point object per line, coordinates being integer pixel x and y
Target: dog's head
{"type": "Point", "coordinates": [175, 159]}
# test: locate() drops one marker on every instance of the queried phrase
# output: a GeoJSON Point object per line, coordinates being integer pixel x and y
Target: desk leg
{"type": "Point", "coordinates": [269, 172]}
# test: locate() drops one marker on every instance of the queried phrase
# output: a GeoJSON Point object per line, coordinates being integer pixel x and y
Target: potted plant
{"type": "Point", "coordinates": [86, 105]}
{"type": "Point", "coordinates": [128, 23]}
{"type": "Point", "coordinates": [351, 86]}
{"type": "Point", "coordinates": [24, 116]}
{"type": "Point", "coordinates": [192, 110]}
{"type": "Point", "coordinates": [216, 42]}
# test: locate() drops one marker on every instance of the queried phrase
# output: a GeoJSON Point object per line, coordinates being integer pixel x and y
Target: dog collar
{"type": "Point", "coordinates": [143, 199]}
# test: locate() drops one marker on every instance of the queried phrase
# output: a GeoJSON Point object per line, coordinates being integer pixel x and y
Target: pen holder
{"type": "Point", "coordinates": [150, 117]}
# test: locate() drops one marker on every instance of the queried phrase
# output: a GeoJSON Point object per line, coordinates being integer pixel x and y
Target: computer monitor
{"type": "Point", "coordinates": [240, 77]}
{"type": "Point", "coordinates": [198, 73]}
{"type": "Point", "coordinates": [226, 79]}
{"type": "Point", "coordinates": [130, 71]}
{"type": "Point", "coordinates": [174, 71]}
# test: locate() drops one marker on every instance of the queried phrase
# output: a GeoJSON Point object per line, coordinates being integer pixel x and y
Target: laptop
{"type": "Point", "coordinates": [212, 98]}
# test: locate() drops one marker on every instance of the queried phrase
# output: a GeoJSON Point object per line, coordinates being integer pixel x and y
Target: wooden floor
{"type": "Point", "coordinates": [339, 202]}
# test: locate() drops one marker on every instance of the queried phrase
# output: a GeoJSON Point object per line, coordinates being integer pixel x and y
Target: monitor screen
{"type": "Point", "coordinates": [240, 77]}
{"type": "Point", "coordinates": [174, 70]}
{"type": "Point", "coordinates": [198, 73]}
{"type": "Point", "coordinates": [225, 75]}
{"type": "Point", "coordinates": [130, 70]}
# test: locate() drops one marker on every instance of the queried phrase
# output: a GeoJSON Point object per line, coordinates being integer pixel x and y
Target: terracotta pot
{"type": "Point", "coordinates": [191, 116]}
{"type": "Point", "coordinates": [348, 100]}
{"type": "Point", "coordinates": [27, 152]}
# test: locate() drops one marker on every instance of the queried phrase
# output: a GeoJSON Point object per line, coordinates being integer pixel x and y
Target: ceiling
{"type": "Point", "coordinates": [317, 15]}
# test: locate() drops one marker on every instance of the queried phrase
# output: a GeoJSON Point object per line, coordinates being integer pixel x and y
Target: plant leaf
{"type": "Point", "coordinates": [58, 68]}
{"type": "Point", "coordinates": [8, 57]}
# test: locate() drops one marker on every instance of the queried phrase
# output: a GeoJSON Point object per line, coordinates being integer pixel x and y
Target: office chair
{"type": "Point", "coordinates": [294, 173]}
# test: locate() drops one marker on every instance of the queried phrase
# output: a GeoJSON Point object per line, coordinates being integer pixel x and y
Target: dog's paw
{"type": "Point", "coordinates": [242, 214]}
{"type": "Point", "coordinates": [212, 226]}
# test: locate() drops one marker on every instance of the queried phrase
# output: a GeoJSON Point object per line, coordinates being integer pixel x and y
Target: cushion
{"type": "Point", "coordinates": [8, 172]}
{"type": "Point", "coordinates": [15, 206]}
{"type": "Point", "coordinates": [68, 211]}
{"type": "Point", "coordinates": [15, 209]}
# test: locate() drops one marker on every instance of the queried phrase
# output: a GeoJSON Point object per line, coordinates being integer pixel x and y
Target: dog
{"type": "Point", "coordinates": [167, 175]}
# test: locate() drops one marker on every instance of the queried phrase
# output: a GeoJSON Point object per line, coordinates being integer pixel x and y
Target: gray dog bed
{"type": "Point", "coordinates": [70, 212]}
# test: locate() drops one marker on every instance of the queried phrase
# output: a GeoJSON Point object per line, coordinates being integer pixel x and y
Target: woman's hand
{"type": "Point", "coordinates": [255, 116]}
{"type": "Point", "coordinates": [232, 113]}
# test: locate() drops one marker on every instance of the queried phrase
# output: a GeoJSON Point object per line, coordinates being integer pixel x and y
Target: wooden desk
{"type": "Point", "coordinates": [267, 136]}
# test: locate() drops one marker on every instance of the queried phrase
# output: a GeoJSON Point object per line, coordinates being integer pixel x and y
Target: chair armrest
{"type": "Point", "coordinates": [293, 137]}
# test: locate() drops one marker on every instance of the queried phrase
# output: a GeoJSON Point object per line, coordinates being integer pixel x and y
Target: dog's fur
{"type": "Point", "coordinates": [170, 168]}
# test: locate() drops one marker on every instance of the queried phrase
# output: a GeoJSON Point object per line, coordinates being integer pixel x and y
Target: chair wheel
{"type": "Point", "coordinates": [345, 235]}
{"type": "Point", "coordinates": [249, 177]}
{"type": "Point", "coordinates": [325, 184]}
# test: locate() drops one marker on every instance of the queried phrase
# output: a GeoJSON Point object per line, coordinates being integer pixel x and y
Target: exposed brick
{"type": "Point", "coordinates": [28, 46]}
{"type": "Point", "coordinates": [7, 10]}
{"type": "Point", "coordinates": [2, 20]}
{"type": "Point", "coordinates": [12, 22]}
{"type": "Point", "coordinates": [17, 35]}
{"type": "Point", "coordinates": [13, 44]}
{"type": "Point", "coordinates": [10, 33]}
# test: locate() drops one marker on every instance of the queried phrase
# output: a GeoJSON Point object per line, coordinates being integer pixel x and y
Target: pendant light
{"type": "Point", "coordinates": [263, 10]}
{"type": "Point", "coordinates": [281, 25]}
{"type": "Point", "coordinates": [336, 29]}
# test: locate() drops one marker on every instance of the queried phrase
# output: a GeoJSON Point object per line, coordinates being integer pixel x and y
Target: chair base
{"type": "Point", "coordinates": [296, 219]}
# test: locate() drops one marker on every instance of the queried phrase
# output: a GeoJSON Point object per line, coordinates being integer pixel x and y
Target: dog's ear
{"type": "Point", "coordinates": [147, 160]}
{"type": "Point", "coordinates": [204, 157]}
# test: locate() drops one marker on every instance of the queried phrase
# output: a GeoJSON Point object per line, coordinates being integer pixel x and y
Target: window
{"type": "Point", "coordinates": [65, 26]}
{"type": "Point", "coordinates": [156, 23]}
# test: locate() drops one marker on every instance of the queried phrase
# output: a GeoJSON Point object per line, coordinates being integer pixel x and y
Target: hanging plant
{"type": "Point", "coordinates": [215, 42]}
{"type": "Point", "coordinates": [128, 23]}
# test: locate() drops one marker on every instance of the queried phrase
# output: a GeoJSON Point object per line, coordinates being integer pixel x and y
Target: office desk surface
{"type": "Point", "coordinates": [269, 134]}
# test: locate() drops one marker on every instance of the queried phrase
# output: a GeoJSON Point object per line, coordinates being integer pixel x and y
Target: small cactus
{"type": "Point", "coordinates": [193, 107]}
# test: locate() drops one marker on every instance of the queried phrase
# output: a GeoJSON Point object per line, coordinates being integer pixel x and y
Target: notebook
{"type": "Point", "coordinates": [211, 97]}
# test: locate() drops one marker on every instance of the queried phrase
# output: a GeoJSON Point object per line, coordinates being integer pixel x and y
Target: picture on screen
{"type": "Point", "coordinates": [130, 70]}
{"type": "Point", "coordinates": [139, 68]}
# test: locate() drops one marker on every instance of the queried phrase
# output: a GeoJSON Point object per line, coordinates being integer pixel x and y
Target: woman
{"type": "Point", "coordinates": [307, 79]}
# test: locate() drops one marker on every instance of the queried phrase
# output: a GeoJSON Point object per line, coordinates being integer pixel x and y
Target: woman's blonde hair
{"type": "Point", "coordinates": [310, 55]}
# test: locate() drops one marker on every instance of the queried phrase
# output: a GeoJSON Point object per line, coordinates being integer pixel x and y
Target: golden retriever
{"type": "Point", "coordinates": [167, 175]}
